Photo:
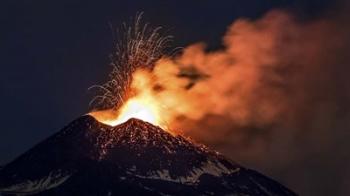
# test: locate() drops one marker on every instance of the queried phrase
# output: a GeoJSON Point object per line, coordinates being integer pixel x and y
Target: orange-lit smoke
{"type": "Point", "coordinates": [275, 97]}
{"type": "Point", "coordinates": [249, 81]}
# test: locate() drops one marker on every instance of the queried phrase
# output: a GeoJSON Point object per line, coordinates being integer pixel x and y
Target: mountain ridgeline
{"type": "Point", "coordinates": [134, 158]}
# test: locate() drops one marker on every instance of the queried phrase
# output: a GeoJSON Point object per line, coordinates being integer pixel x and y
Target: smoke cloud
{"type": "Point", "coordinates": [275, 98]}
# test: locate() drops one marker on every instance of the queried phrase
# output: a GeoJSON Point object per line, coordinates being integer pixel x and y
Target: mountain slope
{"type": "Point", "coordinates": [135, 158]}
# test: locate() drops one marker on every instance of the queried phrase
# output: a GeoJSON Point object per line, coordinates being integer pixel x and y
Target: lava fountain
{"type": "Point", "coordinates": [142, 104]}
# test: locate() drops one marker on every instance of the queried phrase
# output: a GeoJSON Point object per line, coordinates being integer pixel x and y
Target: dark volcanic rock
{"type": "Point", "coordinates": [133, 158]}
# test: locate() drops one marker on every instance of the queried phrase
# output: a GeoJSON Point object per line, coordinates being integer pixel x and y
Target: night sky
{"type": "Point", "coordinates": [51, 52]}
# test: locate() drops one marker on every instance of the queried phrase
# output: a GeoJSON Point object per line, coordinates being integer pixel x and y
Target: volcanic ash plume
{"type": "Point", "coordinates": [276, 88]}
{"type": "Point", "coordinates": [266, 69]}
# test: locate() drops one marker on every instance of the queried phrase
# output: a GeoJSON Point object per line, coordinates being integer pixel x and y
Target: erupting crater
{"type": "Point", "coordinates": [143, 105]}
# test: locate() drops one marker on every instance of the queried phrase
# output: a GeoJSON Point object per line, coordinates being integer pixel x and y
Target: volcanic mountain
{"type": "Point", "coordinates": [134, 158]}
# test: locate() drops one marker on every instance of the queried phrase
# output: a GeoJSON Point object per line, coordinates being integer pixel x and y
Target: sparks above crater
{"type": "Point", "coordinates": [129, 91]}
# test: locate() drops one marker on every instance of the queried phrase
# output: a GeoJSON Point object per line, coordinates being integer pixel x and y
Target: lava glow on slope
{"type": "Point", "coordinates": [143, 105]}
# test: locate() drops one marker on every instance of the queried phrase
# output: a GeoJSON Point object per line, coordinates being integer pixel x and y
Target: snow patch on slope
{"type": "Point", "coordinates": [53, 180]}
{"type": "Point", "coordinates": [214, 168]}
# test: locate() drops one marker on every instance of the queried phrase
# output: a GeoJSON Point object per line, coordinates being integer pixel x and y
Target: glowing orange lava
{"type": "Point", "coordinates": [143, 105]}
{"type": "Point", "coordinates": [138, 109]}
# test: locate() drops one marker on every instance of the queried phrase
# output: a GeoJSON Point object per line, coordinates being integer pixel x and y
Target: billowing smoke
{"type": "Point", "coordinates": [275, 97]}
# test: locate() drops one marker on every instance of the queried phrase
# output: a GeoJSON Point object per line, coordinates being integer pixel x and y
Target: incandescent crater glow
{"type": "Point", "coordinates": [143, 105]}
{"type": "Point", "coordinates": [138, 107]}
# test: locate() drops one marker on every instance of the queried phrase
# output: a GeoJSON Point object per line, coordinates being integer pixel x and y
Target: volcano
{"type": "Point", "coordinates": [133, 158]}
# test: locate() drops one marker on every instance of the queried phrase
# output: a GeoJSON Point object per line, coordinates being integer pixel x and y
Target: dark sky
{"type": "Point", "coordinates": [52, 51]}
